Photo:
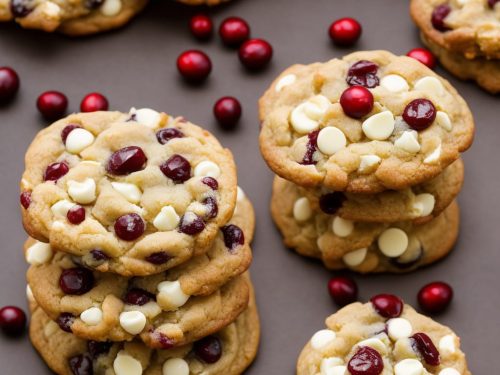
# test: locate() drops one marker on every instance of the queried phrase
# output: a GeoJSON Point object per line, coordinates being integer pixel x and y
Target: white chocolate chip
{"type": "Point", "coordinates": [240, 195]}
{"type": "Point", "coordinates": [78, 140]}
{"type": "Point", "coordinates": [61, 208]}
{"type": "Point", "coordinates": [130, 191]}
{"type": "Point", "coordinates": [380, 126]}
{"type": "Point", "coordinates": [167, 219]}
{"type": "Point", "coordinates": [51, 9]}
{"type": "Point", "coordinates": [82, 192]}
{"type": "Point", "coordinates": [51, 328]}
{"type": "Point", "coordinates": [92, 316]}
{"type": "Point", "coordinates": [322, 338]}
{"type": "Point", "coordinates": [58, 225]}
{"type": "Point", "coordinates": [449, 371]}
{"type": "Point", "coordinates": [175, 366]}
{"type": "Point", "coordinates": [399, 328]}
{"type": "Point", "coordinates": [393, 242]}
{"type": "Point", "coordinates": [146, 116]}
{"type": "Point", "coordinates": [409, 367]}
{"type": "Point", "coordinates": [434, 156]}
{"type": "Point", "coordinates": [394, 83]}
{"type": "Point", "coordinates": [305, 117]}
{"type": "Point", "coordinates": [125, 364]}
{"type": "Point", "coordinates": [111, 8]}
{"type": "Point", "coordinates": [424, 204]}
{"type": "Point", "coordinates": [408, 141]}
{"type": "Point", "coordinates": [430, 84]}
{"type": "Point", "coordinates": [447, 345]}
{"type": "Point", "coordinates": [171, 296]}
{"type": "Point", "coordinates": [342, 227]}
{"type": "Point", "coordinates": [29, 294]}
{"type": "Point", "coordinates": [355, 258]}
{"type": "Point", "coordinates": [207, 168]}
{"type": "Point", "coordinates": [332, 366]}
{"type": "Point", "coordinates": [133, 321]}
{"type": "Point", "coordinates": [39, 253]}
{"type": "Point", "coordinates": [331, 140]}
{"type": "Point", "coordinates": [374, 343]}
{"type": "Point", "coordinates": [302, 209]}
{"type": "Point", "coordinates": [443, 120]}
{"type": "Point", "coordinates": [368, 163]}
{"type": "Point", "coordinates": [284, 81]}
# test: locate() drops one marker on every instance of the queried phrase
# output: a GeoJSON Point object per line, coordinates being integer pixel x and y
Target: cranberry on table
{"type": "Point", "coordinates": [366, 361]}
{"type": "Point", "coordinates": [233, 236]}
{"type": "Point", "coordinates": [55, 171]}
{"type": "Point", "coordinates": [76, 281]}
{"type": "Point", "coordinates": [311, 147]}
{"type": "Point", "coordinates": [419, 114]}
{"type": "Point", "coordinates": [25, 199]}
{"type": "Point", "coordinates": [356, 101]}
{"type": "Point", "coordinates": [177, 168]}
{"type": "Point", "coordinates": [330, 203]}
{"type": "Point", "coordinates": [227, 111]}
{"type": "Point", "coordinates": [255, 53]}
{"type": "Point", "coordinates": [94, 102]}
{"type": "Point", "coordinates": [345, 31]}
{"type": "Point", "coordinates": [435, 297]}
{"type": "Point", "coordinates": [81, 365]}
{"type": "Point", "coordinates": [387, 305]}
{"type": "Point", "coordinates": [138, 296]}
{"type": "Point", "coordinates": [167, 134]}
{"type": "Point", "coordinates": [76, 214]}
{"type": "Point", "coordinates": [12, 320]}
{"type": "Point", "coordinates": [438, 16]}
{"type": "Point", "coordinates": [129, 227]}
{"type": "Point", "coordinates": [194, 66]}
{"type": "Point", "coordinates": [234, 31]}
{"type": "Point", "coordinates": [99, 255]}
{"type": "Point", "coordinates": [423, 55]}
{"type": "Point", "coordinates": [68, 129]}
{"type": "Point", "coordinates": [9, 84]}
{"type": "Point", "coordinates": [343, 290]}
{"type": "Point", "coordinates": [201, 26]}
{"type": "Point", "coordinates": [52, 105]}
{"type": "Point", "coordinates": [126, 160]}
{"type": "Point", "coordinates": [208, 349]}
{"type": "Point", "coordinates": [426, 348]}
{"type": "Point", "coordinates": [363, 73]}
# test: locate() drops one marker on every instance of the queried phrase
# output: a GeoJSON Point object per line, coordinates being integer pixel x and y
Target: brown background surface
{"type": "Point", "coordinates": [136, 67]}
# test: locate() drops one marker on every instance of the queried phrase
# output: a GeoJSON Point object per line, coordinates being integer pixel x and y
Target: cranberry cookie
{"type": "Point", "coordinates": [382, 337]}
{"type": "Point", "coordinates": [367, 123]}
{"type": "Point", "coordinates": [134, 194]}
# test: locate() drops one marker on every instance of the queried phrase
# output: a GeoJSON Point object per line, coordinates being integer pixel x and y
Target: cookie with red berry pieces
{"type": "Point", "coordinates": [134, 194]}
{"type": "Point", "coordinates": [382, 337]}
{"type": "Point", "coordinates": [369, 122]}
{"type": "Point", "coordinates": [470, 28]}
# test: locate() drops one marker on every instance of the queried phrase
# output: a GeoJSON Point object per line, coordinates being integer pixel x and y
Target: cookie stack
{"type": "Point", "coordinates": [464, 35]}
{"type": "Point", "coordinates": [139, 248]}
{"type": "Point", "coordinates": [366, 150]}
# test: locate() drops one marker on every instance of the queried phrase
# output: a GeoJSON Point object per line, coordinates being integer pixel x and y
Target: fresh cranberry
{"type": "Point", "coordinates": [177, 168]}
{"type": "Point", "coordinates": [419, 114]}
{"type": "Point", "coordinates": [9, 84]}
{"type": "Point", "coordinates": [12, 320]}
{"type": "Point", "coordinates": [52, 105]}
{"type": "Point", "coordinates": [68, 129]}
{"type": "Point", "coordinates": [126, 160]}
{"type": "Point", "coordinates": [345, 31]}
{"type": "Point", "coordinates": [343, 290]}
{"type": "Point", "coordinates": [65, 321]}
{"type": "Point", "coordinates": [492, 3]}
{"type": "Point", "coordinates": [356, 101]}
{"type": "Point", "coordinates": [192, 225]}
{"type": "Point", "coordinates": [194, 66]}
{"type": "Point", "coordinates": [435, 297]}
{"type": "Point", "coordinates": [330, 203]}
{"type": "Point", "coordinates": [426, 348]}
{"type": "Point", "coordinates": [21, 8]}
{"type": "Point", "coordinates": [211, 206]}
{"type": "Point", "coordinates": [363, 73]}
{"type": "Point", "coordinates": [234, 31]}
{"type": "Point", "coordinates": [76, 281]}
{"type": "Point", "coordinates": [81, 365]}
{"type": "Point", "coordinates": [201, 26]}
{"type": "Point", "coordinates": [438, 16]}
{"type": "Point", "coordinates": [99, 255]}
{"type": "Point", "coordinates": [233, 236]}
{"type": "Point", "coordinates": [25, 199]}
{"type": "Point", "coordinates": [97, 348]}
{"type": "Point", "coordinates": [76, 214]}
{"type": "Point", "coordinates": [139, 297]}
{"type": "Point", "coordinates": [210, 182]}
{"type": "Point", "coordinates": [129, 227]}
{"type": "Point", "coordinates": [255, 53]}
{"type": "Point", "coordinates": [312, 145]}
{"type": "Point", "coordinates": [55, 171]}
{"type": "Point", "coordinates": [94, 102]}
{"type": "Point", "coordinates": [387, 305]}
{"type": "Point", "coordinates": [208, 349]}
{"type": "Point", "coordinates": [158, 258]}
{"type": "Point", "coordinates": [424, 56]}
{"type": "Point", "coordinates": [366, 361]}
{"type": "Point", "coordinates": [93, 4]}
{"type": "Point", "coordinates": [227, 111]}
{"type": "Point", "coordinates": [167, 134]}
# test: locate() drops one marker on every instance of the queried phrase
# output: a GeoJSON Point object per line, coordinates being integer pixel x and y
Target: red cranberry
{"type": "Point", "coordinates": [343, 290]}
{"type": "Point", "coordinates": [99, 255]}
{"type": "Point", "coordinates": [76, 281]}
{"type": "Point", "coordinates": [164, 341]}
{"type": "Point", "coordinates": [20, 8]}
{"type": "Point", "coordinates": [234, 31]}
{"type": "Point", "coordinates": [210, 182]}
{"type": "Point", "coordinates": [424, 56]}
{"type": "Point", "coordinates": [492, 3]}
{"type": "Point", "coordinates": [55, 171]}
{"type": "Point", "coordinates": [81, 365]}
{"type": "Point", "coordinates": [233, 236]}
{"type": "Point", "coordinates": [255, 53]}
{"type": "Point", "coordinates": [177, 168]}
{"type": "Point", "coordinates": [387, 305]}
{"type": "Point", "coordinates": [97, 348]}
{"type": "Point", "coordinates": [192, 224]}
{"type": "Point", "coordinates": [208, 349]}
{"type": "Point", "coordinates": [227, 111]}
{"type": "Point", "coordinates": [211, 206]}
{"type": "Point", "coordinates": [94, 102]}
{"type": "Point", "coordinates": [330, 203]}
{"type": "Point", "coordinates": [435, 297]}
{"type": "Point", "coordinates": [201, 26]}
{"type": "Point", "coordinates": [312, 145]}
{"type": "Point", "coordinates": [166, 134]}
{"type": "Point", "coordinates": [426, 348]}
{"type": "Point", "coordinates": [366, 361]}
{"type": "Point", "coordinates": [126, 160]}
{"type": "Point", "coordinates": [139, 297]}
{"type": "Point", "coordinates": [9, 84]}
{"type": "Point", "coordinates": [25, 199]}
{"type": "Point", "coordinates": [194, 66]}
{"type": "Point", "coordinates": [68, 129]}
{"type": "Point", "coordinates": [65, 321]}
{"type": "Point", "coordinates": [129, 227]}
{"type": "Point", "coordinates": [52, 105]}
{"type": "Point", "coordinates": [419, 114]}
{"type": "Point", "coordinates": [356, 101]}
{"type": "Point", "coordinates": [12, 320]}
{"type": "Point", "coordinates": [438, 16]}
{"type": "Point", "coordinates": [345, 31]}
{"type": "Point", "coordinates": [158, 258]}
{"type": "Point", "coordinates": [76, 214]}
{"type": "Point", "coordinates": [363, 73]}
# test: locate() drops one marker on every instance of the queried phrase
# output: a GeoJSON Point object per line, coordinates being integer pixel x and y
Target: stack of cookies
{"type": "Point", "coordinates": [366, 149]}
{"type": "Point", "coordinates": [139, 248]}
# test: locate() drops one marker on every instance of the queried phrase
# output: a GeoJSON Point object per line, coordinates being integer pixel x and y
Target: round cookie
{"type": "Point", "coordinates": [152, 190]}
{"type": "Point", "coordinates": [308, 139]}
{"type": "Point", "coordinates": [401, 343]}
{"type": "Point", "coordinates": [470, 28]}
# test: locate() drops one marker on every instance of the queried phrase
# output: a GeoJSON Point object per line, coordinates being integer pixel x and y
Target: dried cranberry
{"type": "Point", "coordinates": [177, 168]}
{"type": "Point", "coordinates": [363, 73]}
{"type": "Point", "coordinates": [438, 16]}
{"type": "Point", "coordinates": [81, 365]}
{"type": "Point", "coordinates": [211, 206]}
{"type": "Point", "coordinates": [423, 344]}
{"type": "Point", "coordinates": [330, 203]}
{"type": "Point", "coordinates": [366, 361]}
{"type": "Point", "coordinates": [76, 281]}
{"type": "Point", "coordinates": [126, 160]}
{"type": "Point", "coordinates": [55, 171]}
{"type": "Point", "coordinates": [311, 147]}
{"type": "Point", "coordinates": [25, 199]}
{"type": "Point", "coordinates": [233, 236]}
{"type": "Point", "coordinates": [138, 296]}
{"type": "Point", "coordinates": [167, 134]}
{"type": "Point", "coordinates": [192, 224]}
{"type": "Point", "coordinates": [65, 321]}
{"type": "Point", "coordinates": [210, 182]}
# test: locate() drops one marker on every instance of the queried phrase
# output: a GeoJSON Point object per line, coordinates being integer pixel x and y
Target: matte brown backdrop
{"type": "Point", "coordinates": [135, 66]}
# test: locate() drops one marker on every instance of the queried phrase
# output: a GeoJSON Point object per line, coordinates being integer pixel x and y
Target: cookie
{"type": "Point", "coordinates": [418, 124]}
{"type": "Point", "coordinates": [134, 194]}
{"type": "Point", "coordinates": [470, 28]}
{"type": "Point", "coordinates": [369, 339]}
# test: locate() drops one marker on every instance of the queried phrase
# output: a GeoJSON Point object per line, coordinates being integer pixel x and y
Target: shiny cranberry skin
{"type": "Point", "coordinates": [426, 348]}
{"type": "Point", "coordinates": [210, 182]}
{"type": "Point", "coordinates": [194, 65]}
{"type": "Point", "coordinates": [76, 281]}
{"type": "Point", "coordinates": [234, 31]}
{"type": "Point", "coordinates": [233, 236]}
{"type": "Point", "coordinates": [192, 225]}
{"type": "Point", "coordinates": [356, 101]}
{"type": "Point", "coordinates": [227, 111]}
{"type": "Point", "coordinates": [68, 129]}
{"type": "Point", "coordinates": [366, 361]}
{"type": "Point", "coordinates": [12, 320]}
{"type": "Point", "coordinates": [65, 321]}
{"type": "Point", "coordinates": [9, 84]}
{"type": "Point", "coordinates": [363, 73]}
{"type": "Point", "coordinates": [97, 348]}
{"type": "Point", "coordinates": [438, 16]}
{"type": "Point", "coordinates": [167, 134]}
{"type": "Point", "coordinates": [177, 168]}
{"type": "Point", "coordinates": [201, 26]}
{"type": "Point", "coordinates": [76, 214]}
{"type": "Point", "coordinates": [330, 203]}
{"type": "Point", "coordinates": [99, 255]}
{"type": "Point", "coordinates": [435, 297]}
{"type": "Point", "coordinates": [139, 297]}
{"type": "Point", "coordinates": [208, 349]}
{"type": "Point", "coordinates": [20, 8]}
{"type": "Point", "coordinates": [311, 147]}
{"type": "Point", "coordinates": [255, 53]}
{"type": "Point", "coordinates": [211, 206]}
{"type": "Point", "coordinates": [126, 160]}
{"type": "Point", "coordinates": [343, 290]}
{"type": "Point", "coordinates": [345, 31]}
{"type": "Point", "coordinates": [55, 171]}
{"type": "Point", "coordinates": [492, 3]}
{"type": "Point", "coordinates": [25, 199]}
{"type": "Point", "coordinates": [52, 105]}
{"type": "Point", "coordinates": [94, 102]}
{"type": "Point", "coordinates": [387, 305]}
{"type": "Point", "coordinates": [158, 258]}
{"type": "Point", "coordinates": [129, 227]}
{"type": "Point", "coordinates": [419, 114]}
{"type": "Point", "coordinates": [81, 365]}
{"type": "Point", "coordinates": [424, 56]}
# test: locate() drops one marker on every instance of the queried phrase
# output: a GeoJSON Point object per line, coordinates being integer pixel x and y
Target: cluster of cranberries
{"type": "Point", "coordinates": [54, 104]}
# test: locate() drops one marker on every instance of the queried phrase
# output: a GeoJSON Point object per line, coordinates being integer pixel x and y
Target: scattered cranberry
{"type": "Point", "coordinates": [126, 160]}
{"type": "Point", "coordinates": [20, 8]}
{"type": "Point", "coordinates": [158, 258]}
{"type": "Point", "coordinates": [210, 182]}
{"type": "Point", "coordinates": [129, 227]}
{"type": "Point", "coordinates": [55, 171]}
{"type": "Point", "coordinates": [81, 365]}
{"type": "Point", "coordinates": [65, 321]}
{"type": "Point", "coordinates": [25, 199]}
{"type": "Point", "coordinates": [234, 31]}
{"type": "Point", "coordinates": [438, 16]}
{"type": "Point", "coordinates": [201, 26]}
{"type": "Point", "coordinates": [208, 349]}
{"type": "Point", "coordinates": [68, 129]}
{"type": "Point", "coordinates": [233, 236]}
{"type": "Point", "coordinates": [177, 168]}
{"type": "Point", "coordinates": [356, 101]}
{"type": "Point", "coordinates": [97, 348]}
{"type": "Point", "coordinates": [52, 105]}
{"type": "Point", "coordinates": [167, 134]}
{"type": "Point", "coordinates": [94, 102]}
{"type": "Point", "coordinates": [363, 73]}
{"type": "Point", "coordinates": [435, 297]}
{"type": "Point", "coordinates": [194, 66]}
{"type": "Point", "coordinates": [345, 31]}
{"type": "Point", "coordinates": [424, 56]}
{"type": "Point", "coordinates": [255, 53]}
{"type": "Point", "coordinates": [211, 206]}
{"type": "Point", "coordinates": [330, 203]}
{"type": "Point", "coordinates": [343, 290]}
{"type": "Point", "coordinates": [76, 214]}
{"type": "Point", "coordinates": [387, 305]}
{"type": "Point", "coordinates": [76, 281]}
{"type": "Point", "coordinates": [426, 348]}
{"type": "Point", "coordinates": [192, 224]}
{"type": "Point", "coordinates": [227, 111]}
{"type": "Point", "coordinates": [139, 297]}
{"type": "Point", "coordinates": [312, 145]}
{"type": "Point", "coordinates": [366, 361]}
{"type": "Point", "coordinates": [419, 114]}
{"type": "Point", "coordinates": [492, 3]}
{"type": "Point", "coordinates": [12, 320]}
{"type": "Point", "coordinates": [9, 84]}
{"type": "Point", "coordinates": [99, 255]}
